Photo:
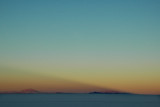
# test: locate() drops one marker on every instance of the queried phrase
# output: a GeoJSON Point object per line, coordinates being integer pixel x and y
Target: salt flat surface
{"type": "Point", "coordinates": [78, 100]}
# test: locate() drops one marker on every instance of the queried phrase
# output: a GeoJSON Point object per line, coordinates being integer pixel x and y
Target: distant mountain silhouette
{"type": "Point", "coordinates": [112, 92]}
{"type": "Point", "coordinates": [109, 91]}
{"type": "Point", "coordinates": [33, 91]}
{"type": "Point", "coordinates": [29, 91]}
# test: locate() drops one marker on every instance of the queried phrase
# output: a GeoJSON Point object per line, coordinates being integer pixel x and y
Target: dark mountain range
{"type": "Point", "coordinates": [33, 91]}
{"type": "Point", "coordinates": [29, 91]}
{"type": "Point", "coordinates": [95, 92]}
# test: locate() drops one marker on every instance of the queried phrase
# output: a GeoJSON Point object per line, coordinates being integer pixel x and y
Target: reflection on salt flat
{"type": "Point", "coordinates": [78, 100]}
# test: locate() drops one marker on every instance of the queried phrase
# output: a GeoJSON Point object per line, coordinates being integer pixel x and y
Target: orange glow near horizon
{"type": "Point", "coordinates": [78, 81]}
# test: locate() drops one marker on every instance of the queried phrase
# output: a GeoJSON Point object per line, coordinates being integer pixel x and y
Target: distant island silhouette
{"type": "Point", "coordinates": [95, 92]}
{"type": "Point", "coordinates": [33, 91]}
{"type": "Point", "coordinates": [29, 91]}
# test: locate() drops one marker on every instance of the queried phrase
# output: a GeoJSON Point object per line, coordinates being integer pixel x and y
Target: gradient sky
{"type": "Point", "coordinates": [80, 45]}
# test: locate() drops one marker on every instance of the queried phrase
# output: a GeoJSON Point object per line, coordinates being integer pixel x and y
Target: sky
{"type": "Point", "coordinates": [80, 45]}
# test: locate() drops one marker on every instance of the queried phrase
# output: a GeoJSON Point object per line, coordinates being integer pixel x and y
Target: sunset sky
{"type": "Point", "coordinates": [80, 45]}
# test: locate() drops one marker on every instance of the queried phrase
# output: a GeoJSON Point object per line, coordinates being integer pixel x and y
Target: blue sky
{"type": "Point", "coordinates": [80, 33]}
